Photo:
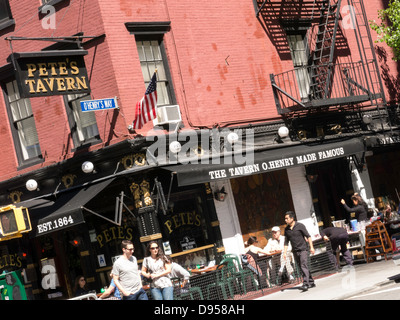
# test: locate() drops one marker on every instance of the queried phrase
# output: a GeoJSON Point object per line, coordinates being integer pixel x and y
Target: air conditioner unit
{"type": "Point", "coordinates": [168, 114]}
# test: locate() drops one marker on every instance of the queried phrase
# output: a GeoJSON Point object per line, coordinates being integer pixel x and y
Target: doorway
{"type": "Point", "coordinates": [330, 181]}
{"type": "Point", "coordinates": [61, 262]}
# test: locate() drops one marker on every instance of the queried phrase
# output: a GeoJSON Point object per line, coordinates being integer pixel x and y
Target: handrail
{"type": "Point", "coordinates": [88, 296]}
{"type": "Point", "coordinates": [322, 85]}
{"type": "Point", "coordinates": [288, 95]}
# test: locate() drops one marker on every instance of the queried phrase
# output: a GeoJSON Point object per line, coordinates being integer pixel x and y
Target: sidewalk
{"type": "Point", "coordinates": [345, 283]}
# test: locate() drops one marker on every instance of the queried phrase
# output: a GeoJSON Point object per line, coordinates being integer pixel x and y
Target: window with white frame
{"type": "Point", "coordinates": [298, 52]}
{"type": "Point", "coordinates": [151, 58]}
{"type": "Point", "coordinates": [83, 124]}
{"type": "Point", "coordinates": [23, 124]}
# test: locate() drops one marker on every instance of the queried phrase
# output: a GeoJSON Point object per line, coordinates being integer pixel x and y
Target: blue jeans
{"type": "Point", "coordinates": [163, 293]}
{"type": "Point", "coordinates": [140, 295]}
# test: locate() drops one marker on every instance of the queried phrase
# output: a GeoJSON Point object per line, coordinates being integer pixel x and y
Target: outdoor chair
{"type": "Point", "coordinates": [224, 280]}
{"type": "Point", "coordinates": [190, 293]}
{"type": "Point", "coordinates": [377, 241]}
{"type": "Point", "coordinates": [245, 276]}
{"type": "Point", "coordinates": [258, 269]}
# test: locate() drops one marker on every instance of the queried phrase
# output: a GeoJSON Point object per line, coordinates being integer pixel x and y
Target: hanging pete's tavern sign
{"type": "Point", "coordinates": [49, 73]}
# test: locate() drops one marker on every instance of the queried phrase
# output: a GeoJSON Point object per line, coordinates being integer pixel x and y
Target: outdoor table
{"type": "Point", "coordinates": [204, 277]}
{"type": "Point", "coordinates": [203, 270]}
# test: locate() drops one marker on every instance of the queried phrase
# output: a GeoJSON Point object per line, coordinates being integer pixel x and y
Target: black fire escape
{"type": "Point", "coordinates": [325, 81]}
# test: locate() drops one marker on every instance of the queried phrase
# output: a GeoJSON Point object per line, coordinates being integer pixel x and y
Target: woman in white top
{"type": "Point", "coordinates": [157, 267]}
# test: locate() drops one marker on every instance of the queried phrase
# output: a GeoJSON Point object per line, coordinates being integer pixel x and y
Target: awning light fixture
{"type": "Point", "coordinates": [31, 185]}
{"type": "Point", "coordinates": [175, 147]}
{"type": "Point", "coordinates": [88, 167]}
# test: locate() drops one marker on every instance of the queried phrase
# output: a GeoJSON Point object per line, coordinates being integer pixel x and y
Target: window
{"type": "Point", "coordinates": [83, 124]}
{"type": "Point", "coordinates": [300, 57]}
{"type": "Point", "coordinates": [6, 19]}
{"type": "Point", "coordinates": [149, 38]}
{"type": "Point", "coordinates": [23, 124]}
{"type": "Point", "coordinates": [151, 58]}
{"type": "Point", "coordinates": [51, 2]}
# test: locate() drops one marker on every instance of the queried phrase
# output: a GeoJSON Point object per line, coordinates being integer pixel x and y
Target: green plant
{"type": "Point", "coordinates": [388, 29]}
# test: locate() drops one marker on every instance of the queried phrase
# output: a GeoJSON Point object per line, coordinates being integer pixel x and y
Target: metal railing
{"type": "Point", "coordinates": [89, 296]}
{"type": "Point", "coordinates": [234, 279]}
{"type": "Point", "coordinates": [245, 282]}
{"type": "Point", "coordinates": [324, 85]}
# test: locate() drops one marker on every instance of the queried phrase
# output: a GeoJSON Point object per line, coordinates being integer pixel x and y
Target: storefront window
{"type": "Point", "coordinates": [106, 239]}
{"type": "Point", "coordinates": [105, 244]}
{"type": "Point", "coordinates": [51, 281]}
{"type": "Point", "coordinates": [184, 230]}
{"type": "Point", "coordinates": [11, 257]}
{"type": "Point", "coordinates": [183, 226]}
{"type": "Point", "coordinates": [384, 175]}
{"type": "Point", "coordinates": [90, 249]}
{"type": "Point", "coordinates": [261, 201]}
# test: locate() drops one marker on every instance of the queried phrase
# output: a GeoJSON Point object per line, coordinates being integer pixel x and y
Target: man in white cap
{"type": "Point", "coordinates": [275, 246]}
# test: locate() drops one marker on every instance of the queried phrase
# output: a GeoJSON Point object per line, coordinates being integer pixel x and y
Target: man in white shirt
{"type": "Point", "coordinates": [275, 246]}
{"type": "Point", "coordinates": [126, 274]}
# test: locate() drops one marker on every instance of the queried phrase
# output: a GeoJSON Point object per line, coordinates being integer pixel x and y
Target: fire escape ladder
{"type": "Point", "coordinates": [322, 58]}
{"type": "Point", "coordinates": [368, 57]}
{"type": "Point", "coordinates": [317, 79]}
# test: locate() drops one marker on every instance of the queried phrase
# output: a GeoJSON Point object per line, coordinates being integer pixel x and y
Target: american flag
{"type": "Point", "coordinates": [146, 108]}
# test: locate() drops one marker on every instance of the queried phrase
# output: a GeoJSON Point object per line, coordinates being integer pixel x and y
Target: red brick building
{"type": "Point", "coordinates": [222, 67]}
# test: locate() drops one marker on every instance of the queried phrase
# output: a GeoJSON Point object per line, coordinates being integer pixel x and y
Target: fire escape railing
{"type": "Point", "coordinates": [294, 90]}
{"type": "Point", "coordinates": [323, 81]}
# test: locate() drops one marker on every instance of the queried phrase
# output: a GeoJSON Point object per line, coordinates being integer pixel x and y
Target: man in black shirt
{"type": "Point", "coordinates": [296, 233]}
{"type": "Point", "coordinates": [338, 237]}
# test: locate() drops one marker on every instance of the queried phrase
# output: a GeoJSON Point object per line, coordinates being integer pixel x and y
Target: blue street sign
{"type": "Point", "coordinates": [100, 104]}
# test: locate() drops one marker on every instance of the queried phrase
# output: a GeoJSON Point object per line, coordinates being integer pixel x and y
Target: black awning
{"type": "Point", "coordinates": [63, 212]}
{"type": "Point", "coordinates": [50, 53]}
{"type": "Point", "coordinates": [265, 161]}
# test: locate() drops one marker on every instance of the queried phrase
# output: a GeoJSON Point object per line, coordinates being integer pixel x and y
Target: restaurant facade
{"type": "Point", "coordinates": [89, 181]}
{"type": "Point", "coordinates": [78, 230]}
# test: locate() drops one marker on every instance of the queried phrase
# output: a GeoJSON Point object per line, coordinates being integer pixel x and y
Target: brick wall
{"type": "Point", "coordinates": [219, 55]}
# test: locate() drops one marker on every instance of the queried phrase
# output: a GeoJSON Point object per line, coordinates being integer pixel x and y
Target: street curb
{"type": "Point", "coordinates": [364, 290]}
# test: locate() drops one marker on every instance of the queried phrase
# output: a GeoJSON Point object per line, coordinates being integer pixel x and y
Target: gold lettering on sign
{"type": "Point", "coordinates": [62, 76]}
{"type": "Point", "coordinates": [182, 219]}
{"type": "Point", "coordinates": [114, 233]}
{"type": "Point", "coordinates": [11, 260]}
